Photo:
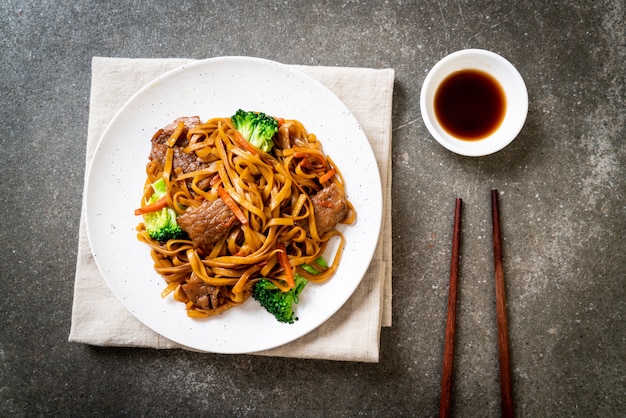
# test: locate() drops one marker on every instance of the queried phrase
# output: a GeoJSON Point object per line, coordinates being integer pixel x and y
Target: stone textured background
{"type": "Point", "coordinates": [563, 208]}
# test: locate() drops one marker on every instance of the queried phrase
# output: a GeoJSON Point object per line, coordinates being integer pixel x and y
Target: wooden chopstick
{"type": "Point", "coordinates": [448, 351]}
{"type": "Point", "coordinates": [506, 390]}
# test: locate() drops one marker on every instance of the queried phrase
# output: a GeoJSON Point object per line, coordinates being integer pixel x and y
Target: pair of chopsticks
{"type": "Point", "coordinates": [503, 340]}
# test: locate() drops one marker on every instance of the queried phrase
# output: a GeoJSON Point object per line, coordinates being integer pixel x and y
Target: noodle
{"type": "Point", "coordinates": [271, 205]}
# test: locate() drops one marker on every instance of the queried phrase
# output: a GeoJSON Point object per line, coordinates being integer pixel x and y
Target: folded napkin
{"type": "Point", "coordinates": [353, 333]}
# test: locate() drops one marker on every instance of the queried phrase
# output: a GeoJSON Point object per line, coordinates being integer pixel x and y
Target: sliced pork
{"type": "Point", "coordinates": [164, 134]}
{"type": "Point", "coordinates": [188, 162]}
{"type": "Point", "coordinates": [203, 295]}
{"type": "Point", "coordinates": [207, 223]}
{"type": "Point", "coordinates": [330, 208]}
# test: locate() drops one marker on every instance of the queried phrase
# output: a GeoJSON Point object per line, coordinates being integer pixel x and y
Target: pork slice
{"type": "Point", "coordinates": [207, 223]}
{"type": "Point", "coordinates": [330, 207]}
{"type": "Point", "coordinates": [167, 131]}
{"type": "Point", "coordinates": [187, 161]}
{"type": "Point", "coordinates": [203, 295]}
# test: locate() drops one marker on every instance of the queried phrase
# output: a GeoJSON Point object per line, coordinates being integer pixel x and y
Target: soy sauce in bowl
{"type": "Point", "coordinates": [474, 102]}
{"type": "Point", "coordinates": [470, 104]}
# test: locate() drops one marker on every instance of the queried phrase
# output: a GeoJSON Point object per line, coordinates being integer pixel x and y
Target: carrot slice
{"type": "Point", "coordinates": [230, 202]}
{"type": "Point", "coordinates": [152, 207]}
{"type": "Point", "coordinates": [313, 156]}
{"type": "Point", "coordinates": [243, 143]}
{"type": "Point", "coordinates": [328, 175]}
{"type": "Point", "coordinates": [215, 179]}
{"type": "Point", "coordinates": [283, 260]}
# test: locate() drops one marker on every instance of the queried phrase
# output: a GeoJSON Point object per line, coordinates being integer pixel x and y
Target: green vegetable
{"type": "Point", "coordinates": [279, 303]}
{"type": "Point", "coordinates": [161, 225]}
{"type": "Point", "coordinates": [320, 261]}
{"type": "Point", "coordinates": [256, 128]}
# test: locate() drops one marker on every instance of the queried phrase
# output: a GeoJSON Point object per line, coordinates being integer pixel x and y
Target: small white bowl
{"type": "Point", "coordinates": [514, 90]}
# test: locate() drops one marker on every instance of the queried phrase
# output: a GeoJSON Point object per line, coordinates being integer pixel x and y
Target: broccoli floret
{"type": "Point", "coordinates": [257, 128]}
{"type": "Point", "coordinates": [161, 225]}
{"type": "Point", "coordinates": [279, 303]}
{"type": "Point", "coordinates": [160, 188]}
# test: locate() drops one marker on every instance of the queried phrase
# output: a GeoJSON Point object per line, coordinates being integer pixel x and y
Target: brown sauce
{"type": "Point", "coordinates": [470, 104]}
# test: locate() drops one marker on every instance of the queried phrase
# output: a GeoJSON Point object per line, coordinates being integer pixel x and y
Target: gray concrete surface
{"type": "Point", "coordinates": [563, 206]}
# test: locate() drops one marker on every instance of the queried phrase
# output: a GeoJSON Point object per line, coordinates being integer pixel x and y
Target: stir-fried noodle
{"type": "Point", "coordinates": [243, 210]}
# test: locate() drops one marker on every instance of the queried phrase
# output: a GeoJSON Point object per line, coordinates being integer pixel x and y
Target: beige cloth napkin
{"type": "Point", "coordinates": [353, 333]}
